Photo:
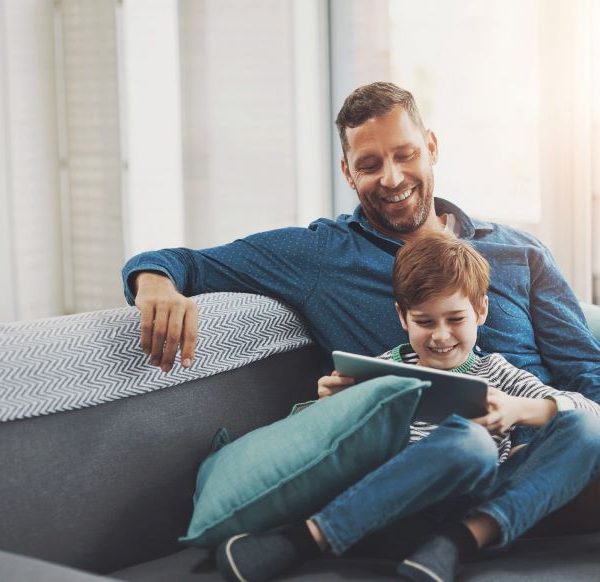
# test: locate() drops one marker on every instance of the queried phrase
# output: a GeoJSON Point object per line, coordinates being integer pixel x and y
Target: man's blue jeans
{"type": "Point", "coordinates": [458, 463]}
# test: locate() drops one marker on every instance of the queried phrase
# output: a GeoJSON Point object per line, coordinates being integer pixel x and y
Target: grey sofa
{"type": "Point", "coordinates": [99, 451]}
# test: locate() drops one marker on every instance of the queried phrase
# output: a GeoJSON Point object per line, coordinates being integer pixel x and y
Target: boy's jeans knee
{"type": "Point", "coordinates": [457, 458]}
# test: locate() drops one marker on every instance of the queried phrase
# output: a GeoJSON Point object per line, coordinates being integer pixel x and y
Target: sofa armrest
{"type": "Point", "coordinates": [592, 315]}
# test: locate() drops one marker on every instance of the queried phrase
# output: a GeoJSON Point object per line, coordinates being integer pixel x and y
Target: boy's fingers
{"type": "Point", "coordinates": [324, 392]}
{"type": "Point", "coordinates": [487, 420]}
{"type": "Point", "coordinates": [345, 381]}
{"type": "Point", "coordinates": [338, 375]}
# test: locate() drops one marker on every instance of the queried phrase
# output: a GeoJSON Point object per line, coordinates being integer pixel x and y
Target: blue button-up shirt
{"type": "Point", "coordinates": [337, 275]}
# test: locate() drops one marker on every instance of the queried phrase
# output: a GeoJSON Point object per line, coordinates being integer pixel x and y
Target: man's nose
{"type": "Point", "coordinates": [392, 175]}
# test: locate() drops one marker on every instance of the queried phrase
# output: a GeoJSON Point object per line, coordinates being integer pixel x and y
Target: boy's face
{"type": "Point", "coordinates": [443, 329]}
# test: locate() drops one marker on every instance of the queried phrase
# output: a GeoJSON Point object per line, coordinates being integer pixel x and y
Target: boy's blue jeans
{"type": "Point", "coordinates": [457, 466]}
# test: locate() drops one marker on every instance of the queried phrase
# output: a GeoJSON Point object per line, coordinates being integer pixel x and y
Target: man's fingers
{"type": "Point", "coordinates": [159, 333]}
{"type": "Point", "coordinates": [189, 334]}
{"type": "Point", "coordinates": [147, 327]}
{"type": "Point", "coordinates": [172, 338]}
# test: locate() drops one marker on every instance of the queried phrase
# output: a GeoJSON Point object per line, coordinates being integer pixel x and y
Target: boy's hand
{"type": "Point", "coordinates": [504, 411]}
{"type": "Point", "coordinates": [330, 385]}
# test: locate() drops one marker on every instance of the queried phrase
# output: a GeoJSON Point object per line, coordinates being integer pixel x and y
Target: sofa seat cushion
{"type": "Point", "coordinates": [18, 568]}
{"type": "Point", "coordinates": [548, 559]}
{"type": "Point", "coordinates": [197, 565]}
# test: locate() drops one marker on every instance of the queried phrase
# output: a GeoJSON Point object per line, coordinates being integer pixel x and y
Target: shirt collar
{"type": "Point", "coordinates": [469, 228]}
{"type": "Point", "coordinates": [405, 351]}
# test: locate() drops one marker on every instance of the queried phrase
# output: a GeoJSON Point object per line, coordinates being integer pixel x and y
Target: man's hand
{"type": "Point", "coordinates": [330, 385]}
{"type": "Point", "coordinates": [168, 320]}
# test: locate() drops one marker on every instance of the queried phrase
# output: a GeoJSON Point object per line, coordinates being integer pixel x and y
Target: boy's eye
{"type": "Point", "coordinates": [456, 319]}
{"type": "Point", "coordinates": [423, 322]}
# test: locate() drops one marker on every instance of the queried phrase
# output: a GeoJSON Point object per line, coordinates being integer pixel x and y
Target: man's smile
{"type": "Point", "coordinates": [404, 195]}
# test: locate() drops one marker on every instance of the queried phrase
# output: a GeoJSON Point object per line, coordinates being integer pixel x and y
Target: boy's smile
{"type": "Point", "coordinates": [443, 329]}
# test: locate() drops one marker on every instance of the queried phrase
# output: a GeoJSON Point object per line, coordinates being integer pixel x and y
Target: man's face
{"type": "Point", "coordinates": [389, 163]}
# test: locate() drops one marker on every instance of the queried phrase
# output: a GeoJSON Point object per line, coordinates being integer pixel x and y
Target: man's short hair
{"type": "Point", "coordinates": [439, 264]}
{"type": "Point", "coordinates": [374, 100]}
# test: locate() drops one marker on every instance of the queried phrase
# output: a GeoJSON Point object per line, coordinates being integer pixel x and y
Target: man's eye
{"type": "Point", "coordinates": [407, 158]}
{"type": "Point", "coordinates": [367, 169]}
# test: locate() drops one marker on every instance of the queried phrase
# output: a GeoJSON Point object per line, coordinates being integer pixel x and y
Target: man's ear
{"type": "Point", "coordinates": [401, 316]}
{"type": "Point", "coordinates": [346, 172]}
{"type": "Point", "coordinates": [482, 312]}
{"type": "Point", "coordinates": [432, 146]}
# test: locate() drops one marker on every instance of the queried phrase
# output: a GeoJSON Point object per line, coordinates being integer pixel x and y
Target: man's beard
{"type": "Point", "coordinates": [412, 222]}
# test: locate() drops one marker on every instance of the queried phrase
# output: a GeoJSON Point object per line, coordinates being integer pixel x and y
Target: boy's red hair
{"type": "Point", "coordinates": [439, 264]}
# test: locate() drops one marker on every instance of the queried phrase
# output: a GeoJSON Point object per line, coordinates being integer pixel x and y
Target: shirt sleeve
{"type": "Point", "coordinates": [284, 264]}
{"type": "Point", "coordinates": [565, 342]}
{"type": "Point", "coordinates": [521, 383]}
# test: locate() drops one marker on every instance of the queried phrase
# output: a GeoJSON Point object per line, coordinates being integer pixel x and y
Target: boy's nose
{"type": "Point", "coordinates": [440, 333]}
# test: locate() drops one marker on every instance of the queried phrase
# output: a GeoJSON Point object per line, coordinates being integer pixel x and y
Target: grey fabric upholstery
{"type": "Point", "coordinates": [15, 568]}
{"type": "Point", "coordinates": [540, 560]}
{"type": "Point", "coordinates": [111, 485]}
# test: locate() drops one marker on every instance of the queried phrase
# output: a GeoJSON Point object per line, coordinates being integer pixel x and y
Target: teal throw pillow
{"type": "Point", "coordinates": [290, 469]}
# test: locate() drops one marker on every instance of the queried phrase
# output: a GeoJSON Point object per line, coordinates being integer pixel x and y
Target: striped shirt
{"type": "Point", "coordinates": [503, 376]}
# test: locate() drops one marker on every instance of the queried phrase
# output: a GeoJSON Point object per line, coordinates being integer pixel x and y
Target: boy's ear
{"type": "Point", "coordinates": [401, 316]}
{"type": "Point", "coordinates": [482, 312]}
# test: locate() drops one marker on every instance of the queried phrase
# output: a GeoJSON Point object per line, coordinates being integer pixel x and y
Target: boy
{"type": "Point", "coordinates": [440, 287]}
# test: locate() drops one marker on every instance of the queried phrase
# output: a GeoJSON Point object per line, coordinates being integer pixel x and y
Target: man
{"type": "Point", "coordinates": [344, 265]}
{"type": "Point", "coordinates": [337, 273]}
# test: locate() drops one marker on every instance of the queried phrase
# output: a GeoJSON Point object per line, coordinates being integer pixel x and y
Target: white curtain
{"type": "Point", "coordinates": [139, 124]}
{"type": "Point", "coordinates": [90, 153]}
{"type": "Point", "coordinates": [31, 261]}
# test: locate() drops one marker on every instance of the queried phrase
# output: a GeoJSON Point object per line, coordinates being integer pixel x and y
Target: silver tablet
{"type": "Point", "coordinates": [450, 392]}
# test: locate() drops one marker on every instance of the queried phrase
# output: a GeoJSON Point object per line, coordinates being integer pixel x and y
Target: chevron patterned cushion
{"type": "Point", "coordinates": [76, 361]}
{"type": "Point", "coordinates": [286, 471]}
